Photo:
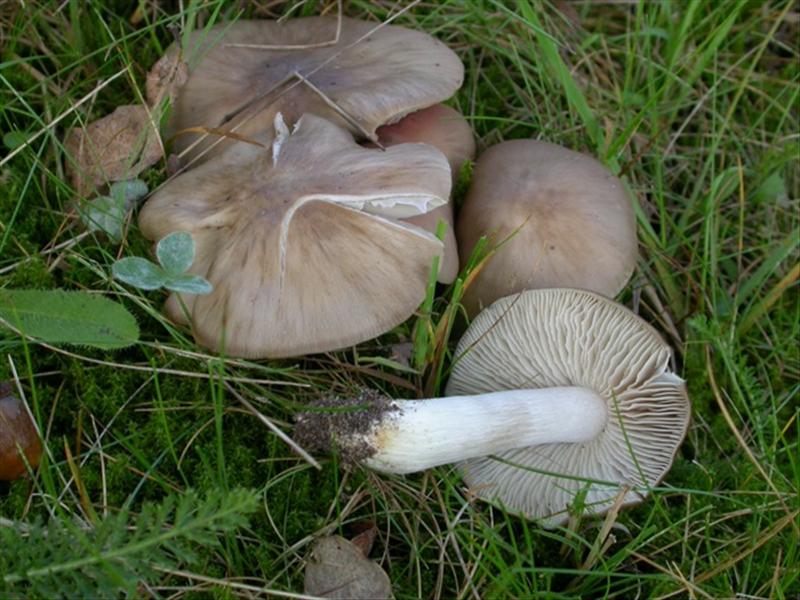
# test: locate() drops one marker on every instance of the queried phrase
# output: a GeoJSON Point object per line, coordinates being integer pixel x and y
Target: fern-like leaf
{"type": "Point", "coordinates": [61, 317]}
{"type": "Point", "coordinates": [62, 559]}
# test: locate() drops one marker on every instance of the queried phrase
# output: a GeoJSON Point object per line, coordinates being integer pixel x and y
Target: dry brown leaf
{"type": "Point", "coordinates": [338, 569]}
{"type": "Point", "coordinates": [114, 148]}
{"type": "Point", "coordinates": [165, 78]}
{"type": "Point", "coordinates": [365, 537]}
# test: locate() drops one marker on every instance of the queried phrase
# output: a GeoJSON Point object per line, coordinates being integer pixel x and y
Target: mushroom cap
{"type": "Point", "coordinates": [441, 126]}
{"type": "Point", "coordinates": [17, 430]}
{"type": "Point", "coordinates": [566, 337]}
{"type": "Point", "coordinates": [300, 240]}
{"type": "Point", "coordinates": [574, 222]}
{"type": "Point", "coordinates": [390, 72]}
{"type": "Point", "coordinates": [447, 130]}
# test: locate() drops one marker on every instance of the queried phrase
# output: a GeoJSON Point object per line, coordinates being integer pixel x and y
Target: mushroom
{"type": "Point", "coordinates": [355, 73]}
{"type": "Point", "coordinates": [300, 239]}
{"type": "Point", "coordinates": [573, 222]}
{"type": "Point", "coordinates": [447, 130]}
{"type": "Point", "coordinates": [20, 445]}
{"type": "Point", "coordinates": [553, 392]}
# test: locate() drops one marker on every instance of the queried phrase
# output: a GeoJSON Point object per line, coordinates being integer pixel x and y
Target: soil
{"type": "Point", "coordinates": [346, 424]}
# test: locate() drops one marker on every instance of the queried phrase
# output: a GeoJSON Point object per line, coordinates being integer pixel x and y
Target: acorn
{"type": "Point", "coordinates": [17, 432]}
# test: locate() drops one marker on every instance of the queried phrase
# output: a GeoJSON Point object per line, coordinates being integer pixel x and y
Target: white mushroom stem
{"type": "Point", "coordinates": [422, 434]}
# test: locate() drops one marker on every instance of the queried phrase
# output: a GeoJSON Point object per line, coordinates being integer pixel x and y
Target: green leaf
{"type": "Point", "coordinates": [14, 139]}
{"type": "Point", "coordinates": [129, 191]}
{"type": "Point", "coordinates": [189, 284]}
{"type": "Point", "coordinates": [60, 559]}
{"type": "Point", "coordinates": [175, 252]}
{"type": "Point", "coordinates": [139, 272]}
{"type": "Point", "coordinates": [58, 316]}
{"type": "Point", "coordinates": [772, 189]}
{"type": "Point", "coordinates": [106, 214]}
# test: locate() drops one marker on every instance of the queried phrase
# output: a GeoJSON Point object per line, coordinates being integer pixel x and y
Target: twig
{"type": "Point", "coordinates": [262, 95]}
{"type": "Point", "coordinates": [340, 111]}
{"type": "Point", "coordinates": [148, 369]}
{"type": "Point", "coordinates": [272, 427]}
{"type": "Point", "coordinates": [235, 585]}
{"type": "Point", "coordinates": [61, 117]}
{"type": "Point", "coordinates": [729, 420]}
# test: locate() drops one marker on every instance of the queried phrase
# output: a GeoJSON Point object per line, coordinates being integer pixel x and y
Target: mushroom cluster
{"type": "Point", "coordinates": [319, 162]}
{"type": "Point", "coordinates": [311, 241]}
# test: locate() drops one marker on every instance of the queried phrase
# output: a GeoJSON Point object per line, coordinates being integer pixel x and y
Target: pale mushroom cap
{"type": "Point", "coordinates": [564, 337]}
{"type": "Point", "coordinates": [389, 73]}
{"type": "Point", "coordinates": [303, 251]}
{"type": "Point", "coordinates": [442, 127]}
{"type": "Point", "coordinates": [447, 130]}
{"type": "Point", "coordinates": [575, 220]}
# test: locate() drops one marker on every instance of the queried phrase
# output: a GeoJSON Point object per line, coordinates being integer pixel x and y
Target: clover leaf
{"type": "Point", "coordinates": [108, 213]}
{"type": "Point", "coordinates": [175, 254]}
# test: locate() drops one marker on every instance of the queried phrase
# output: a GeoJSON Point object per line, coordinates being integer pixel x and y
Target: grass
{"type": "Point", "coordinates": [694, 103]}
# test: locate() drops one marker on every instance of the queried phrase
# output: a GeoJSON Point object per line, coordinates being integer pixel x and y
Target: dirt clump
{"type": "Point", "coordinates": [343, 423]}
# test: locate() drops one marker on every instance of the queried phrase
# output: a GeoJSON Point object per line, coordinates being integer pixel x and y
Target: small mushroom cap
{"type": "Point", "coordinates": [442, 127]}
{"type": "Point", "coordinates": [300, 240]}
{"type": "Point", "coordinates": [17, 431]}
{"type": "Point", "coordinates": [564, 337]}
{"type": "Point", "coordinates": [447, 130]}
{"type": "Point", "coordinates": [390, 72]}
{"type": "Point", "coordinates": [575, 222]}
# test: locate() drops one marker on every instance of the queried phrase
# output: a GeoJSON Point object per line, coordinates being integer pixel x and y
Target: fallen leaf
{"type": "Point", "coordinates": [165, 78]}
{"type": "Point", "coordinates": [365, 538]}
{"type": "Point", "coordinates": [338, 569]}
{"type": "Point", "coordinates": [114, 148]}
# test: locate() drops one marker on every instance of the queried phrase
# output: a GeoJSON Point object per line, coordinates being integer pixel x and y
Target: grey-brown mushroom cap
{"type": "Point", "coordinates": [390, 72]}
{"type": "Point", "coordinates": [573, 219]}
{"type": "Point", "coordinates": [300, 240]}
{"type": "Point", "coordinates": [447, 130]}
{"type": "Point", "coordinates": [566, 337]}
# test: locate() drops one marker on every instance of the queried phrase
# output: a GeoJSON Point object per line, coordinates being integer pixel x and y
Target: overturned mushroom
{"type": "Point", "coordinates": [300, 239]}
{"type": "Point", "coordinates": [553, 392]}
{"type": "Point", "coordinates": [445, 129]}
{"type": "Point", "coordinates": [573, 220]}
{"type": "Point", "coordinates": [355, 73]}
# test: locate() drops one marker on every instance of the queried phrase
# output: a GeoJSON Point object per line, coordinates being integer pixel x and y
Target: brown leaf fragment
{"type": "Point", "coordinates": [165, 78]}
{"type": "Point", "coordinates": [114, 148]}
{"type": "Point", "coordinates": [338, 569]}
{"type": "Point", "coordinates": [365, 537]}
{"type": "Point", "coordinates": [20, 444]}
